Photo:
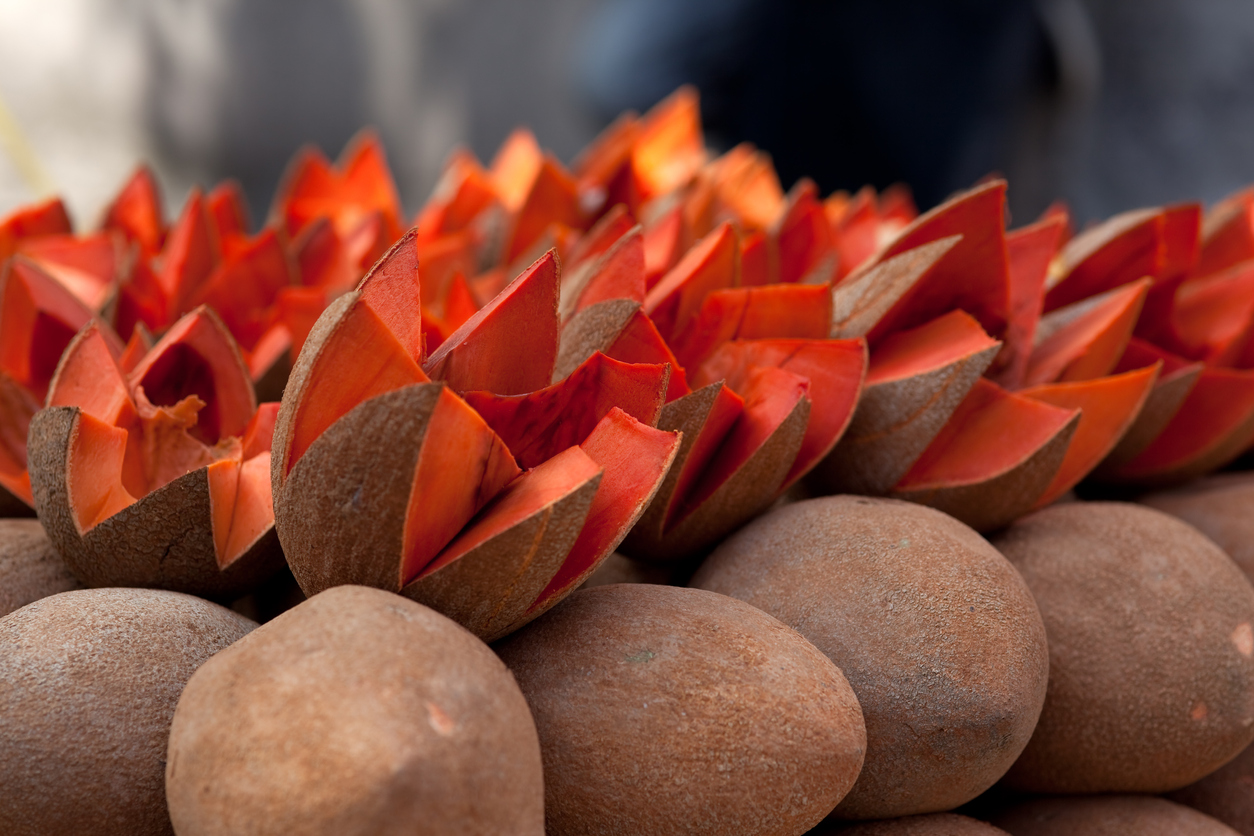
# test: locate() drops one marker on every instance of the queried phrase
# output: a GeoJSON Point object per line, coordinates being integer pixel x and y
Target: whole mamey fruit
{"type": "Point", "coordinates": [357, 711]}
{"type": "Point", "coordinates": [30, 568]}
{"type": "Point", "coordinates": [1142, 815]}
{"type": "Point", "coordinates": [1225, 793]}
{"type": "Point", "coordinates": [88, 684]}
{"type": "Point", "coordinates": [676, 711]}
{"type": "Point", "coordinates": [936, 632]}
{"type": "Point", "coordinates": [1219, 507]}
{"type": "Point", "coordinates": [1151, 650]}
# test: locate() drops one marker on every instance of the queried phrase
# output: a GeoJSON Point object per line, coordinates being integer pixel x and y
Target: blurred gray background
{"type": "Point", "coordinates": [1108, 104]}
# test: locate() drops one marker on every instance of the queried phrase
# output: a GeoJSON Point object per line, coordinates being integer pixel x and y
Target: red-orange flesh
{"type": "Point", "coordinates": [86, 264]}
{"type": "Point", "coordinates": [1108, 406]}
{"type": "Point", "coordinates": [510, 345]}
{"type": "Point", "coordinates": [38, 318]}
{"type": "Point", "coordinates": [634, 459]}
{"type": "Point", "coordinates": [1091, 344]}
{"type": "Point", "coordinates": [136, 212]}
{"type": "Point", "coordinates": [1029, 251]}
{"type": "Point", "coordinates": [640, 342]}
{"type": "Point", "coordinates": [552, 197]}
{"type": "Point", "coordinates": [973, 276]}
{"type": "Point", "coordinates": [1123, 249]}
{"type": "Point", "coordinates": [621, 274]}
{"type": "Point", "coordinates": [748, 313]}
{"type": "Point", "coordinates": [1214, 313]}
{"type": "Point", "coordinates": [462, 465]}
{"type": "Point", "coordinates": [990, 433]}
{"type": "Point", "coordinates": [937, 344]}
{"type": "Point", "coordinates": [1220, 403]}
{"type": "Point", "coordinates": [713, 263]}
{"type": "Point", "coordinates": [538, 425]}
{"type": "Point", "coordinates": [770, 396]}
{"type": "Point", "coordinates": [834, 370]}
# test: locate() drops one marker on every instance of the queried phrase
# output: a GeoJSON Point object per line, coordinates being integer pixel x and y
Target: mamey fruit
{"type": "Point", "coordinates": [463, 479]}
{"type": "Point", "coordinates": [659, 712]}
{"type": "Point", "coordinates": [154, 470]}
{"type": "Point", "coordinates": [357, 712]}
{"type": "Point", "coordinates": [30, 568]}
{"type": "Point", "coordinates": [88, 684]}
{"type": "Point", "coordinates": [935, 631]}
{"type": "Point", "coordinates": [1118, 814]}
{"type": "Point", "coordinates": [1219, 507]}
{"type": "Point", "coordinates": [1225, 793]}
{"type": "Point", "coordinates": [1151, 650]}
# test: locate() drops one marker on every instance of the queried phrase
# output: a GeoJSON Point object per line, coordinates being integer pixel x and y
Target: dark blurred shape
{"type": "Point", "coordinates": [845, 92]}
{"type": "Point", "coordinates": [1108, 104]}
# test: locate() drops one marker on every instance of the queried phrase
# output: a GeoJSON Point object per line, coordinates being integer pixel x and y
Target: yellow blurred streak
{"type": "Point", "coordinates": [19, 149]}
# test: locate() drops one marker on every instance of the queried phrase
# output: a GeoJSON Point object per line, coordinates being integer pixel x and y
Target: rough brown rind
{"type": "Point", "coordinates": [489, 589]}
{"type": "Point", "coordinates": [659, 712]}
{"type": "Point", "coordinates": [163, 541]}
{"type": "Point", "coordinates": [30, 568]}
{"type": "Point", "coordinates": [1151, 650]}
{"type": "Point", "coordinates": [357, 712]}
{"type": "Point", "coordinates": [748, 492]}
{"type": "Point", "coordinates": [1225, 794]}
{"type": "Point", "coordinates": [863, 298]}
{"type": "Point", "coordinates": [894, 423]}
{"type": "Point", "coordinates": [936, 632]}
{"type": "Point", "coordinates": [1107, 816]}
{"type": "Point", "coordinates": [591, 330]}
{"type": "Point", "coordinates": [285, 424]}
{"type": "Point", "coordinates": [1219, 506]}
{"type": "Point", "coordinates": [999, 501]}
{"type": "Point", "coordinates": [340, 513]}
{"type": "Point", "coordinates": [618, 568]}
{"type": "Point", "coordinates": [936, 824]}
{"type": "Point", "coordinates": [88, 684]}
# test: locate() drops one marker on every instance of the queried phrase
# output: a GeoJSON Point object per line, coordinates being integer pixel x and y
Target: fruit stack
{"type": "Point", "coordinates": [638, 496]}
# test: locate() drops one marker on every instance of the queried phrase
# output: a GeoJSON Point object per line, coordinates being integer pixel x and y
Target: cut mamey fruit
{"type": "Point", "coordinates": [489, 507]}
{"type": "Point", "coordinates": [158, 475]}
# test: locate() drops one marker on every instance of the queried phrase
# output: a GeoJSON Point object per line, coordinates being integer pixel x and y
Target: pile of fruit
{"type": "Point", "coordinates": [710, 465]}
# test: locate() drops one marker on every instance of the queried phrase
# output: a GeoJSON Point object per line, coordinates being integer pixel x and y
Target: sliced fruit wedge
{"type": "Point", "coordinates": [994, 460]}
{"type": "Point", "coordinates": [915, 380]}
{"type": "Point", "coordinates": [1108, 407]}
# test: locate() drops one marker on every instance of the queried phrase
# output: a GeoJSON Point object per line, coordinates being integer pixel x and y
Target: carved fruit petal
{"type": "Point", "coordinates": [1108, 407]}
{"type": "Point", "coordinates": [538, 426]}
{"type": "Point", "coordinates": [634, 459]}
{"type": "Point", "coordinates": [487, 578]}
{"type": "Point", "coordinates": [510, 345]}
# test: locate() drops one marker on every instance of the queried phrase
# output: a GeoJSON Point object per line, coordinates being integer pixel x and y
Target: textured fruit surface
{"type": "Point", "coordinates": [658, 711]}
{"type": "Point", "coordinates": [935, 631]}
{"type": "Point", "coordinates": [356, 712]}
{"type": "Point", "coordinates": [88, 683]}
{"type": "Point", "coordinates": [1151, 650]}
{"type": "Point", "coordinates": [1102, 815]}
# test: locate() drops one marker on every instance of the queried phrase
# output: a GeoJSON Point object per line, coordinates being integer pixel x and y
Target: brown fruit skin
{"type": "Point", "coordinates": [1119, 815]}
{"type": "Point", "coordinates": [1149, 623]}
{"type": "Point", "coordinates": [938, 636]}
{"type": "Point", "coordinates": [88, 684]}
{"type": "Point", "coordinates": [664, 710]}
{"type": "Point", "coordinates": [1226, 794]}
{"type": "Point", "coordinates": [30, 567]}
{"type": "Point", "coordinates": [163, 541]}
{"type": "Point", "coordinates": [935, 824]}
{"type": "Point", "coordinates": [1218, 506]}
{"type": "Point", "coordinates": [356, 712]}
